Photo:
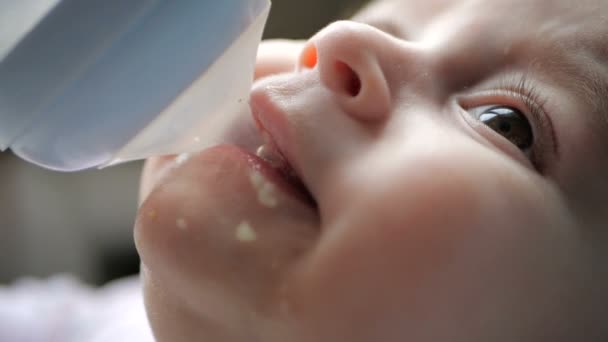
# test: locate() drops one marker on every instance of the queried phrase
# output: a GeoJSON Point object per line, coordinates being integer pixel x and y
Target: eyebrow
{"type": "Point", "coordinates": [595, 92]}
{"type": "Point", "coordinates": [593, 86]}
{"type": "Point", "coordinates": [588, 79]}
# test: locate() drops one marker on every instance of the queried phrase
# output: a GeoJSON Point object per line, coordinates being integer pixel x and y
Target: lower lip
{"type": "Point", "coordinates": [271, 174]}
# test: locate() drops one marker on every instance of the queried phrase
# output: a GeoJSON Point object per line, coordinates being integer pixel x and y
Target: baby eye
{"type": "Point", "coordinates": [507, 121]}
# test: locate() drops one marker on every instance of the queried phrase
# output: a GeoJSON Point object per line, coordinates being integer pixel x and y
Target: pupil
{"type": "Point", "coordinates": [505, 127]}
{"type": "Point", "coordinates": [511, 124]}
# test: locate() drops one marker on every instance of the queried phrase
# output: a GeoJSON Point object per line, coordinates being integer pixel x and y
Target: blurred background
{"type": "Point", "coordinates": [81, 223]}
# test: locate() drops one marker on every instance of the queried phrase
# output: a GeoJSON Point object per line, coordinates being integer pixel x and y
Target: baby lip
{"type": "Point", "coordinates": [272, 153]}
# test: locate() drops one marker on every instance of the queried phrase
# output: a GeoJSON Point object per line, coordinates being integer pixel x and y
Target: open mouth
{"type": "Point", "coordinates": [271, 154]}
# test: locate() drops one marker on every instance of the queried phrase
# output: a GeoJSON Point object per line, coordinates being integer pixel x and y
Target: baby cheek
{"type": "Point", "coordinates": [449, 248]}
{"type": "Point", "coordinates": [433, 204]}
{"type": "Point", "coordinates": [382, 249]}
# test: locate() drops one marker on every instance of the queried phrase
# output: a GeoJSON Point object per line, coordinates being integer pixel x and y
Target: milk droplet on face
{"type": "Point", "coordinates": [152, 214]}
{"type": "Point", "coordinates": [180, 159]}
{"type": "Point", "coordinates": [266, 191]}
{"type": "Point", "coordinates": [256, 178]}
{"type": "Point", "coordinates": [267, 196]}
{"type": "Point", "coordinates": [268, 154]}
{"type": "Point", "coordinates": [181, 223]}
{"type": "Point", "coordinates": [245, 232]}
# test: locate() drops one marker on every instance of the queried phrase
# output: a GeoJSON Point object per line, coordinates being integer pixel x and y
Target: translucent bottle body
{"type": "Point", "coordinates": [94, 83]}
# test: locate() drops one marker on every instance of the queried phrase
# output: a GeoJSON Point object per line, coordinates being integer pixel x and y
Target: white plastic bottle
{"type": "Point", "coordinates": [90, 83]}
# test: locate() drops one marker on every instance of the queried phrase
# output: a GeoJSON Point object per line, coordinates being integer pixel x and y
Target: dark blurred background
{"type": "Point", "coordinates": [81, 223]}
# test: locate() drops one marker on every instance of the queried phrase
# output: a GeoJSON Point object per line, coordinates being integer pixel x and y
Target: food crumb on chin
{"type": "Point", "coordinates": [181, 223]}
{"type": "Point", "coordinates": [245, 233]}
{"type": "Point", "coordinates": [265, 190]}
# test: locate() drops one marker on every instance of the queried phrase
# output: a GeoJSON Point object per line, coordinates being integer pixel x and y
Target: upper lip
{"type": "Point", "coordinates": [272, 121]}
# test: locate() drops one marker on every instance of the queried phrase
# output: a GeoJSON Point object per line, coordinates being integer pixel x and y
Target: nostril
{"type": "Point", "coordinates": [348, 79]}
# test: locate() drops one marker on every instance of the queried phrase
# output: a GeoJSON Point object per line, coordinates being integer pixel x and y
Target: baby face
{"type": "Point", "coordinates": [452, 163]}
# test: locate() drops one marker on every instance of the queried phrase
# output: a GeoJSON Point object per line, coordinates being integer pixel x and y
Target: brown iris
{"type": "Point", "coordinates": [511, 124]}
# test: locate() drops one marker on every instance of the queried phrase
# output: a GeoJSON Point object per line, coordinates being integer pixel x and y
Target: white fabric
{"type": "Point", "coordinates": [62, 309]}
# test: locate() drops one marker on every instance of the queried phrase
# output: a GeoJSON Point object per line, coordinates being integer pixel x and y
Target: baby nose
{"type": "Point", "coordinates": [348, 58]}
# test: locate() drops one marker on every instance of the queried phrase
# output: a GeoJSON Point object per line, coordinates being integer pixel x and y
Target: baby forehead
{"type": "Point", "coordinates": [544, 23]}
{"type": "Point", "coordinates": [581, 12]}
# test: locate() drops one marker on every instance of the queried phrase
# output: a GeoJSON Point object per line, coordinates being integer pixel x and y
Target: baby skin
{"type": "Point", "coordinates": [429, 171]}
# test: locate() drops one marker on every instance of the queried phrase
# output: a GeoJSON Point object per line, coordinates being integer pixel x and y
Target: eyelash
{"type": "Point", "coordinates": [526, 95]}
{"type": "Point", "coordinates": [529, 96]}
